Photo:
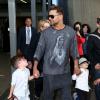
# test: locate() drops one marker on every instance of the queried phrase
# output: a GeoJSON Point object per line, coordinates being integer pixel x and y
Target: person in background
{"type": "Point", "coordinates": [82, 87]}
{"type": "Point", "coordinates": [19, 84]}
{"type": "Point", "coordinates": [85, 31]}
{"type": "Point", "coordinates": [42, 25]}
{"type": "Point", "coordinates": [26, 44]}
{"type": "Point", "coordinates": [80, 38]}
{"type": "Point", "coordinates": [93, 51]}
{"type": "Point", "coordinates": [56, 66]}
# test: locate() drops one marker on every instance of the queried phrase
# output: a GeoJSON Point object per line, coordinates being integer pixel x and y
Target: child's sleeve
{"type": "Point", "coordinates": [74, 77]}
{"type": "Point", "coordinates": [28, 72]}
{"type": "Point", "coordinates": [29, 77]}
{"type": "Point", "coordinates": [14, 78]}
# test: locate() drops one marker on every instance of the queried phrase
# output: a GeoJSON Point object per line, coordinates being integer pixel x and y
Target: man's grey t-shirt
{"type": "Point", "coordinates": [57, 46]}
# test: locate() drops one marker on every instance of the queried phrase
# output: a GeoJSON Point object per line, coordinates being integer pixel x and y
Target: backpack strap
{"type": "Point", "coordinates": [95, 36]}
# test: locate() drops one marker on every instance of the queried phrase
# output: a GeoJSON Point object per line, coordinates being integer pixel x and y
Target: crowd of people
{"type": "Point", "coordinates": [50, 54]}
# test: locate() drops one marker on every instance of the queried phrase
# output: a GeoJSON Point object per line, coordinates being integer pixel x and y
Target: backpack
{"type": "Point", "coordinates": [85, 43]}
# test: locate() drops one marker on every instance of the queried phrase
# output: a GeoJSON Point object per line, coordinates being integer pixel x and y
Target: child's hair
{"type": "Point", "coordinates": [41, 24]}
{"type": "Point", "coordinates": [14, 60]}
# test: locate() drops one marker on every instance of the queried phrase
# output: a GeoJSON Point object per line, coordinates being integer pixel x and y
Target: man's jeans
{"type": "Point", "coordinates": [52, 83]}
{"type": "Point", "coordinates": [97, 92]}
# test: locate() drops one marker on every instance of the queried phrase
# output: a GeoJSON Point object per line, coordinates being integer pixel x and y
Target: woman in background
{"type": "Point", "coordinates": [85, 30]}
{"type": "Point", "coordinates": [86, 33]}
{"type": "Point", "coordinates": [80, 38]}
{"type": "Point", "coordinates": [43, 24]}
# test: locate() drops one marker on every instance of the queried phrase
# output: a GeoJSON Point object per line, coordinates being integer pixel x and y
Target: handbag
{"type": "Point", "coordinates": [95, 36]}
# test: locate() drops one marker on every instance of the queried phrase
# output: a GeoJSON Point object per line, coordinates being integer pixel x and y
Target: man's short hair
{"type": "Point", "coordinates": [57, 8]}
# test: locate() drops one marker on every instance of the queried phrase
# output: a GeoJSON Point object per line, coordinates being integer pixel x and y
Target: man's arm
{"type": "Point", "coordinates": [36, 73]}
{"type": "Point", "coordinates": [74, 53]}
{"type": "Point", "coordinates": [77, 71]}
{"type": "Point", "coordinates": [38, 54]}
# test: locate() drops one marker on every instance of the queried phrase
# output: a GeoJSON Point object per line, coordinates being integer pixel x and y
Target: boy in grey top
{"type": "Point", "coordinates": [56, 43]}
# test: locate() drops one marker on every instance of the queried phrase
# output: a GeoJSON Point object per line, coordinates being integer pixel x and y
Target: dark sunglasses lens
{"type": "Point", "coordinates": [51, 16]}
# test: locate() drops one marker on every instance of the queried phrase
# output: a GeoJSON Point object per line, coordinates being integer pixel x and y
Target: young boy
{"type": "Point", "coordinates": [82, 87]}
{"type": "Point", "coordinates": [20, 77]}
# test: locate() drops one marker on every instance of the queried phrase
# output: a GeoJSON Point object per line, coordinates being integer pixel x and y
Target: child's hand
{"type": "Point", "coordinates": [29, 65]}
{"type": "Point", "coordinates": [9, 96]}
{"type": "Point", "coordinates": [31, 77]}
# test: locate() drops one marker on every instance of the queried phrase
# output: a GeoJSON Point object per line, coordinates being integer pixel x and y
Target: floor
{"type": "Point", "coordinates": [5, 73]}
{"type": "Point", "coordinates": [5, 77]}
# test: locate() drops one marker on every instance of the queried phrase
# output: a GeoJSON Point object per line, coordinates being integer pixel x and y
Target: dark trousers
{"type": "Point", "coordinates": [82, 95]}
{"type": "Point", "coordinates": [31, 89]}
{"type": "Point", "coordinates": [38, 86]}
{"type": "Point", "coordinates": [97, 92]}
{"type": "Point", "coordinates": [51, 83]}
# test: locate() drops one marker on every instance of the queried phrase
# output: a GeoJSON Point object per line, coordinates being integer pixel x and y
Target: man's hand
{"type": "Point", "coordinates": [97, 81]}
{"type": "Point", "coordinates": [97, 66]}
{"type": "Point", "coordinates": [36, 73]}
{"type": "Point", "coordinates": [77, 71]}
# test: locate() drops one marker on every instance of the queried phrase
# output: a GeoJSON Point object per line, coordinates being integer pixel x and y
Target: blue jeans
{"type": "Point", "coordinates": [97, 92]}
{"type": "Point", "coordinates": [51, 83]}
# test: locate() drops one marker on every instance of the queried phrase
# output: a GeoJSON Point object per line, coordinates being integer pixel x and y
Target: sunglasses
{"type": "Point", "coordinates": [52, 16]}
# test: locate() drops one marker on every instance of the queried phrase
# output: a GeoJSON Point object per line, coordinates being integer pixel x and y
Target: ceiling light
{"type": "Point", "coordinates": [23, 1]}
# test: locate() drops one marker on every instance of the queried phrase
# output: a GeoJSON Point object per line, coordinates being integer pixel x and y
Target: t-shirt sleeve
{"type": "Point", "coordinates": [74, 77]}
{"type": "Point", "coordinates": [28, 72]}
{"type": "Point", "coordinates": [14, 79]}
{"type": "Point", "coordinates": [40, 47]}
{"type": "Point", "coordinates": [73, 48]}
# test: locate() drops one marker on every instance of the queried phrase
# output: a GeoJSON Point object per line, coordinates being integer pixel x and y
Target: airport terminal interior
{"type": "Point", "coordinates": [14, 12]}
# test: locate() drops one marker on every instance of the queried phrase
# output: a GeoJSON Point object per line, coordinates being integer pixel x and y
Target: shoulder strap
{"type": "Point", "coordinates": [95, 36]}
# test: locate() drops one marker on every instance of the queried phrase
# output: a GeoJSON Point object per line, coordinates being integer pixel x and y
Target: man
{"type": "Point", "coordinates": [56, 44]}
{"type": "Point", "coordinates": [27, 40]}
{"type": "Point", "coordinates": [93, 51]}
{"type": "Point", "coordinates": [26, 44]}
